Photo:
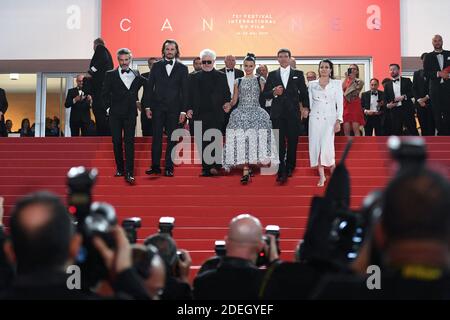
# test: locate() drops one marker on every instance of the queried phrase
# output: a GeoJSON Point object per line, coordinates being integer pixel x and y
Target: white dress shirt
{"type": "Point", "coordinates": [397, 92]}
{"type": "Point", "coordinates": [285, 72]}
{"type": "Point", "coordinates": [127, 77]}
{"type": "Point", "coordinates": [440, 58]}
{"type": "Point", "coordinates": [230, 79]}
{"type": "Point", "coordinates": [373, 102]}
{"type": "Point", "coordinates": [169, 67]}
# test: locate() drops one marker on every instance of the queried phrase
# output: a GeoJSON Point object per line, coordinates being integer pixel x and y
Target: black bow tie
{"type": "Point", "coordinates": [125, 71]}
{"type": "Point", "coordinates": [166, 62]}
{"type": "Point", "coordinates": [374, 93]}
{"type": "Point", "coordinates": [230, 70]}
{"type": "Point", "coordinates": [395, 80]}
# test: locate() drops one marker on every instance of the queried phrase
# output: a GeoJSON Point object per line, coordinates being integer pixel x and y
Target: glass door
{"type": "Point", "coordinates": [52, 114]}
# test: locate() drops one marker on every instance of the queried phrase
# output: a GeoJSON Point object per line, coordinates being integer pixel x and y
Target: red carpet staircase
{"type": "Point", "coordinates": [202, 206]}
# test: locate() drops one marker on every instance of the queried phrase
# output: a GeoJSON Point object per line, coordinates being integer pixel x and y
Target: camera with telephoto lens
{"type": "Point", "coordinates": [130, 225]}
{"type": "Point", "coordinates": [264, 255]}
{"type": "Point", "coordinates": [166, 225]}
{"type": "Point", "coordinates": [92, 219]}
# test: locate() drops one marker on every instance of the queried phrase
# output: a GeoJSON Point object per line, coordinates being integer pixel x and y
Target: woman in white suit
{"type": "Point", "coordinates": [325, 118]}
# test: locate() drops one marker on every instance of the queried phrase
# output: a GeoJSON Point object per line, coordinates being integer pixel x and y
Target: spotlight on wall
{"type": "Point", "coordinates": [14, 76]}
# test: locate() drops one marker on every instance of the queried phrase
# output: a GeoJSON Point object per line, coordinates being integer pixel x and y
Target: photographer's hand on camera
{"type": "Point", "coordinates": [119, 262]}
{"type": "Point", "coordinates": [119, 259]}
{"type": "Point", "coordinates": [273, 251]}
{"type": "Point", "coordinates": [184, 266]}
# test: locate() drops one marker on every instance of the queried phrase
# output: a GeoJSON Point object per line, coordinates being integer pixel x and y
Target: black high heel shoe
{"type": "Point", "coordinates": [246, 177]}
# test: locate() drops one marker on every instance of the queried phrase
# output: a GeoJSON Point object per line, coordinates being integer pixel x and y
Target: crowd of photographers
{"type": "Point", "coordinates": [395, 247]}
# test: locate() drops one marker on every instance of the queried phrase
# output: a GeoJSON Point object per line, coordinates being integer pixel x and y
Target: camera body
{"type": "Point", "coordinates": [219, 248]}
{"type": "Point", "coordinates": [166, 225]}
{"type": "Point", "coordinates": [92, 219]}
{"type": "Point", "coordinates": [130, 225]}
{"type": "Point", "coordinates": [264, 255]}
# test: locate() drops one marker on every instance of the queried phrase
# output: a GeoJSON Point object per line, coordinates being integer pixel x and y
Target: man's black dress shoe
{"type": "Point", "coordinates": [168, 172]}
{"type": "Point", "coordinates": [282, 178]}
{"type": "Point", "coordinates": [205, 173]}
{"type": "Point", "coordinates": [289, 172]}
{"type": "Point", "coordinates": [118, 173]}
{"type": "Point", "coordinates": [153, 171]}
{"type": "Point", "coordinates": [129, 178]}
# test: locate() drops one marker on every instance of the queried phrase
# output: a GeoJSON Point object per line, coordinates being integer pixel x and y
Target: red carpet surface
{"type": "Point", "coordinates": [201, 206]}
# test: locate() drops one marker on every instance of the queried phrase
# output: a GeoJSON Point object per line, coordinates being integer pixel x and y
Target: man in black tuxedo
{"type": "Point", "coordinates": [100, 63]}
{"type": "Point", "coordinates": [287, 88]}
{"type": "Point", "coordinates": [436, 66]}
{"type": "Point", "coordinates": [165, 101]}
{"type": "Point", "coordinates": [209, 102]}
{"type": "Point", "coordinates": [397, 98]}
{"type": "Point", "coordinates": [3, 108]}
{"type": "Point", "coordinates": [120, 95]}
{"type": "Point", "coordinates": [372, 102]}
{"type": "Point", "coordinates": [422, 101]}
{"type": "Point", "coordinates": [232, 74]}
{"type": "Point", "coordinates": [79, 102]}
{"type": "Point", "coordinates": [146, 123]}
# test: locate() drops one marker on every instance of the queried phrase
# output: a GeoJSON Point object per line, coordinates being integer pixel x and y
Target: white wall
{"type": "Point", "coordinates": [48, 29]}
{"type": "Point", "coordinates": [420, 20]}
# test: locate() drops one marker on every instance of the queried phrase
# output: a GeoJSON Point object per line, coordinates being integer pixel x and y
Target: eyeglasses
{"type": "Point", "coordinates": [207, 62]}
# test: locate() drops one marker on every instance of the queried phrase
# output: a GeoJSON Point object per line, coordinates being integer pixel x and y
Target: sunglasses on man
{"type": "Point", "coordinates": [207, 62]}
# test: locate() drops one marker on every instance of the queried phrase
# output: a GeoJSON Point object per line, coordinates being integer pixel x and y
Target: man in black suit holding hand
{"type": "Point", "coordinates": [210, 103]}
{"type": "Point", "coordinates": [3, 108]}
{"type": "Point", "coordinates": [80, 104]}
{"type": "Point", "coordinates": [120, 95]}
{"type": "Point", "coordinates": [397, 98]}
{"type": "Point", "coordinates": [436, 66]}
{"type": "Point", "coordinates": [287, 88]}
{"type": "Point", "coordinates": [232, 74]}
{"type": "Point", "coordinates": [165, 102]}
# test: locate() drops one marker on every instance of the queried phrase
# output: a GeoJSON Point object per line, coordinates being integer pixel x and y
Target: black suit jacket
{"type": "Point", "coordinates": [287, 104]}
{"type": "Point", "coordinates": [102, 62]}
{"type": "Point", "coordinates": [220, 95]}
{"type": "Point", "coordinates": [80, 110]}
{"type": "Point", "coordinates": [366, 97]}
{"type": "Point", "coordinates": [237, 72]}
{"type": "Point", "coordinates": [405, 89]}
{"type": "Point", "coordinates": [117, 97]}
{"type": "Point", "coordinates": [234, 279]}
{"type": "Point", "coordinates": [420, 84]}
{"type": "Point", "coordinates": [3, 101]}
{"type": "Point", "coordinates": [431, 67]}
{"type": "Point", "coordinates": [167, 93]}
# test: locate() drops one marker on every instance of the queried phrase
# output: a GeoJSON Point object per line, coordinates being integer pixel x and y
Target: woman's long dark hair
{"type": "Point", "coordinates": [331, 67]}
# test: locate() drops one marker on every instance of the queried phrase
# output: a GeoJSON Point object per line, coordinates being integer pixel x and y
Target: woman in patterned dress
{"type": "Point", "coordinates": [249, 137]}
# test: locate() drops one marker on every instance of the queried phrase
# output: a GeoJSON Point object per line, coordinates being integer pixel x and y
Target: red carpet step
{"type": "Point", "coordinates": [202, 207]}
